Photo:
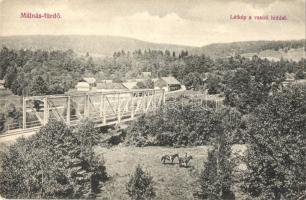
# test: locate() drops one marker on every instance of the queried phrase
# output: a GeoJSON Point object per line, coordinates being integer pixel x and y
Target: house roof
{"type": "Point", "coordinates": [82, 85]}
{"type": "Point", "coordinates": [106, 81]}
{"type": "Point", "coordinates": [136, 80]}
{"type": "Point", "coordinates": [170, 80]}
{"type": "Point", "coordinates": [130, 85]}
{"type": "Point", "coordinates": [140, 79]}
{"type": "Point", "coordinates": [111, 86]}
{"type": "Point", "coordinates": [89, 80]}
{"type": "Point", "coordinates": [147, 74]}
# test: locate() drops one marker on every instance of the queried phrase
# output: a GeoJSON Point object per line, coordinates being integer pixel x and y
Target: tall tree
{"type": "Point", "coordinates": [10, 76]}
{"type": "Point", "coordinates": [38, 87]}
{"type": "Point", "coordinates": [276, 158]}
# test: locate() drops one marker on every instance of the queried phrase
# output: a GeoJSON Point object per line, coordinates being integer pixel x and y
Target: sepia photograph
{"type": "Point", "coordinates": [153, 99]}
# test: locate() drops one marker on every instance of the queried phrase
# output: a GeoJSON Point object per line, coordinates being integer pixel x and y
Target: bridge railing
{"type": "Point", "coordinates": [102, 107]}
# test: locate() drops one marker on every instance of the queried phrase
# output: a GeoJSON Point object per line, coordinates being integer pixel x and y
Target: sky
{"type": "Point", "coordinates": [185, 22]}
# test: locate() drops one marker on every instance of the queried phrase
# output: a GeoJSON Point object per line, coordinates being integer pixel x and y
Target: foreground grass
{"type": "Point", "coordinates": [171, 181]}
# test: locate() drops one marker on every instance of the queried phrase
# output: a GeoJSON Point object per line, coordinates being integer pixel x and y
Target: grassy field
{"type": "Point", "coordinates": [171, 181]}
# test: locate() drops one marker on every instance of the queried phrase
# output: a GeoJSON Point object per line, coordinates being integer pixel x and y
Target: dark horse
{"type": "Point", "coordinates": [183, 161]}
{"type": "Point", "coordinates": [169, 157]}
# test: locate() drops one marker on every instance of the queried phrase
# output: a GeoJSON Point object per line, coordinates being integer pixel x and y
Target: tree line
{"type": "Point", "coordinates": [38, 72]}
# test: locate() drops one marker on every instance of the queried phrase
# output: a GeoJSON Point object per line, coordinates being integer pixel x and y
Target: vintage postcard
{"type": "Point", "coordinates": [153, 99]}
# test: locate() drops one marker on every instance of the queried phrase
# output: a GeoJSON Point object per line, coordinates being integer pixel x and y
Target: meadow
{"type": "Point", "coordinates": [171, 181]}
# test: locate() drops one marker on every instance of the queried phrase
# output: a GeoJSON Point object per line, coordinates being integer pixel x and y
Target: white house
{"type": "Point", "coordinates": [110, 87]}
{"type": "Point", "coordinates": [83, 87]}
{"type": "Point", "coordinates": [130, 85]}
{"type": "Point", "coordinates": [2, 84]}
{"type": "Point", "coordinates": [168, 84]}
{"type": "Point", "coordinates": [90, 80]}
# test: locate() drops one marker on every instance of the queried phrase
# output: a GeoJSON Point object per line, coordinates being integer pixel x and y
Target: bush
{"type": "Point", "coordinates": [140, 185]}
{"type": "Point", "coordinates": [300, 74]}
{"type": "Point", "coordinates": [213, 84]}
{"type": "Point", "coordinates": [166, 138]}
{"type": "Point", "coordinates": [183, 125]}
{"type": "Point", "coordinates": [57, 162]}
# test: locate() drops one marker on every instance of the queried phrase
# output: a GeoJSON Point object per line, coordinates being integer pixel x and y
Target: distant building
{"type": "Point", "coordinates": [90, 80]}
{"type": "Point", "coordinates": [167, 83]}
{"type": "Point", "coordinates": [139, 79]}
{"type": "Point", "coordinates": [86, 84]}
{"type": "Point", "coordinates": [146, 75]}
{"type": "Point", "coordinates": [154, 79]}
{"type": "Point", "coordinates": [106, 81]}
{"type": "Point", "coordinates": [110, 87]}
{"type": "Point", "coordinates": [2, 84]}
{"type": "Point", "coordinates": [130, 85]}
{"type": "Point", "coordinates": [136, 80]}
{"type": "Point", "coordinates": [83, 87]}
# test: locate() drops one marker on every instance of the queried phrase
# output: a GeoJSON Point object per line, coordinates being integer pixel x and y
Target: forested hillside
{"type": "Point", "coordinates": [41, 72]}
{"type": "Point", "coordinates": [230, 49]}
{"type": "Point", "coordinates": [106, 45]}
{"type": "Point", "coordinates": [95, 45]}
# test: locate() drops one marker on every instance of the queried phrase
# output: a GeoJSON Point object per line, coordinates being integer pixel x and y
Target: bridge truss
{"type": "Point", "coordinates": [101, 108]}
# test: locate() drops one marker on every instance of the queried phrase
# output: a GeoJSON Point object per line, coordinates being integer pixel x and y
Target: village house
{"type": "Point", "coordinates": [106, 81]}
{"type": "Point", "coordinates": [146, 75]}
{"type": "Point", "coordinates": [168, 84]}
{"type": "Point", "coordinates": [2, 84]}
{"type": "Point", "coordinates": [86, 84]}
{"type": "Point", "coordinates": [110, 87]}
{"type": "Point", "coordinates": [136, 80]}
{"type": "Point", "coordinates": [90, 80]}
{"type": "Point", "coordinates": [130, 85]}
{"type": "Point", "coordinates": [82, 87]}
{"type": "Point", "coordinates": [154, 79]}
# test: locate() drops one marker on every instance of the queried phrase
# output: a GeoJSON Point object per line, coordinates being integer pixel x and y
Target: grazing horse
{"type": "Point", "coordinates": [183, 161]}
{"type": "Point", "coordinates": [169, 157]}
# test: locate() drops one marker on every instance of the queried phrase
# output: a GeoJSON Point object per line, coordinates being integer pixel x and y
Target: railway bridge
{"type": "Point", "coordinates": [103, 108]}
